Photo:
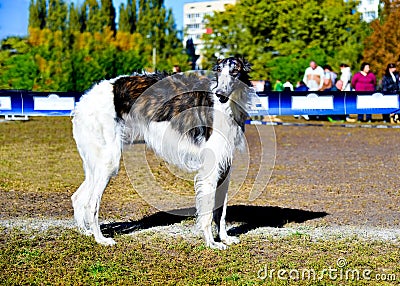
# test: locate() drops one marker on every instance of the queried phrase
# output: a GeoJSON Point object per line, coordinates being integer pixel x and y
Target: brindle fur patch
{"type": "Point", "coordinates": [128, 89]}
{"type": "Point", "coordinates": [184, 100]}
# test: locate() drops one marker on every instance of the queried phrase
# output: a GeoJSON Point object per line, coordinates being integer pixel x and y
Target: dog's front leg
{"type": "Point", "coordinates": [205, 186]}
{"type": "Point", "coordinates": [221, 201]}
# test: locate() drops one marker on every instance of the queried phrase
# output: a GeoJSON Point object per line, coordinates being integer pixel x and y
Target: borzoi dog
{"type": "Point", "coordinates": [193, 129]}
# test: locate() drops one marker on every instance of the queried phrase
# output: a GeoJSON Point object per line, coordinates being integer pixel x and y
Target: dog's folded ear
{"type": "Point", "coordinates": [246, 65]}
{"type": "Point", "coordinates": [216, 66]}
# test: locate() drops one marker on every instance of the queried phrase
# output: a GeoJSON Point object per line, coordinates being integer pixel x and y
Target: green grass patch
{"type": "Point", "coordinates": [40, 169]}
{"type": "Point", "coordinates": [64, 257]}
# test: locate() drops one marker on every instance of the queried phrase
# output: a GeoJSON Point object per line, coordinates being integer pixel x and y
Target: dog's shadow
{"type": "Point", "coordinates": [245, 219]}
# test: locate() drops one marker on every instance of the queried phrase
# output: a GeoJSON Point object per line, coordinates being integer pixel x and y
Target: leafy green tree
{"type": "Point", "coordinates": [94, 23]}
{"type": "Point", "coordinates": [42, 11]}
{"type": "Point", "coordinates": [73, 18]}
{"type": "Point", "coordinates": [34, 20]}
{"type": "Point", "coordinates": [123, 23]}
{"type": "Point", "coordinates": [83, 18]}
{"type": "Point", "coordinates": [71, 46]}
{"type": "Point", "coordinates": [127, 17]}
{"type": "Point", "coordinates": [19, 69]}
{"type": "Point", "coordinates": [107, 15]}
{"type": "Point", "coordinates": [57, 15]}
{"type": "Point", "coordinates": [281, 37]}
{"type": "Point", "coordinates": [157, 27]}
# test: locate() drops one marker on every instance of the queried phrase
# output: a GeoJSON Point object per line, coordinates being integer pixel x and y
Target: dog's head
{"type": "Point", "coordinates": [228, 72]}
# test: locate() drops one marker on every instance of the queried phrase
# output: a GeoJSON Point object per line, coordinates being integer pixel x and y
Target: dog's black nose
{"type": "Point", "coordinates": [222, 98]}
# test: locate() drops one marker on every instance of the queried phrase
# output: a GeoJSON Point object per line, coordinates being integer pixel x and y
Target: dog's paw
{"type": "Point", "coordinates": [229, 240]}
{"type": "Point", "coordinates": [217, 245]}
{"type": "Point", "coordinates": [108, 241]}
{"type": "Point", "coordinates": [84, 230]}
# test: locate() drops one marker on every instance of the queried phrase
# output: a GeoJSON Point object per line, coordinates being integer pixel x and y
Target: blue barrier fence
{"type": "Point", "coordinates": [28, 103]}
{"type": "Point", "coordinates": [326, 103]}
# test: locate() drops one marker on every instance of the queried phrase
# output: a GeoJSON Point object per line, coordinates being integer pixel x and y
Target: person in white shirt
{"type": "Point", "coordinates": [287, 86]}
{"type": "Point", "coordinates": [345, 77]}
{"type": "Point", "coordinates": [314, 77]}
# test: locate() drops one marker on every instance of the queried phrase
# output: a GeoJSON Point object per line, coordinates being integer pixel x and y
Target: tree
{"type": "Point", "coordinates": [71, 46]}
{"type": "Point", "coordinates": [280, 37]}
{"type": "Point", "coordinates": [42, 11]}
{"type": "Point", "coordinates": [83, 18]}
{"type": "Point", "coordinates": [57, 15]}
{"type": "Point", "coordinates": [19, 68]}
{"type": "Point", "coordinates": [157, 27]}
{"type": "Point", "coordinates": [94, 23]}
{"type": "Point", "coordinates": [127, 17]}
{"type": "Point", "coordinates": [107, 15]}
{"type": "Point", "coordinates": [382, 46]}
{"type": "Point", "coordinates": [73, 19]}
{"type": "Point", "coordinates": [34, 20]}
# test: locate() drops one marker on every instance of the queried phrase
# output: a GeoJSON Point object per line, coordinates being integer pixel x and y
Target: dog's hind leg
{"type": "Point", "coordinates": [100, 184]}
{"type": "Point", "coordinates": [219, 213]}
{"type": "Point", "coordinates": [104, 166]}
{"type": "Point", "coordinates": [80, 200]}
{"type": "Point", "coordinates": [98, 135]}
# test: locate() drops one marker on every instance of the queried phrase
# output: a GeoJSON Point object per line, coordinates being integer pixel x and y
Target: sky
{"type": "Point", "coordinates": [14, 14]}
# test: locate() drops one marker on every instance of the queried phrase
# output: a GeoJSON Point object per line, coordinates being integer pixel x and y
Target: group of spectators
{"type": "Point", "coordinates": [317, 78]}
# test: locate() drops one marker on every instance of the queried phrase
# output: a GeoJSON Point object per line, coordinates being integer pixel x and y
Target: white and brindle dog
{"type": "Point", "coordinates": [193, 129]}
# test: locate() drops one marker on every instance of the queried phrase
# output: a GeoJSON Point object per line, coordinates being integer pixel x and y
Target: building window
{"type": "Point", "coordinates": [193, 26]}
{"type": "Point", "coordinates": [370, 15]}
{"type": "Point", "coordinates": [193, 15]}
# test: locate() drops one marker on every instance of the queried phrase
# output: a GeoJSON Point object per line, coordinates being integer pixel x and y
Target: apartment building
{"type": "Point", "coordinates": [194, 23]}
{"type": "Point", "coordinates": [369, 9]}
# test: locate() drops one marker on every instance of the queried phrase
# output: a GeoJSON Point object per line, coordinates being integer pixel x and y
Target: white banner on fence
{"type": "Point", "coordinates": [5, 102]}
{"type": "Point", "coordinates": [312, 101]}
{"type": "Point", "coordinates": [53, 102]}
{"type": "Point", "coordinates": [377, 100]}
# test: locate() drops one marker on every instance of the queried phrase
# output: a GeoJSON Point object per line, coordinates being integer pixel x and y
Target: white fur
{"type": "Point", "coordinates": [217, 155]}
{"type": "Point", "coordinates": [99, 139]}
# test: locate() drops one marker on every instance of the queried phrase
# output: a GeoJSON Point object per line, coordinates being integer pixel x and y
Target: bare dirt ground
{"type": "Point", "coordinates": [323, 177]}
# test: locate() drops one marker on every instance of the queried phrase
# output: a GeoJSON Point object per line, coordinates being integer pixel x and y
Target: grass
{"type": "Point", "coordinates": [37, 152]}
{"type": "Point", "coordinates": [67, 258]}
{"type": "Point", "coordinates": [40, 169]}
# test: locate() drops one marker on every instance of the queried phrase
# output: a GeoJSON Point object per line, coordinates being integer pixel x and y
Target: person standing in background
{"type": "Point", "coordinates": [267, 85]}
{"type": "Point", "coordinates": [364, 80]}
{"type": "Point", "coordinates": [314, 77]}
{"type": "Point", "coordinates": [278, 85]}
{"type": "Point", "coordinates": [301, 86]}
{"type": "Point", "coordinates": [287, 86]}
{"type": "Point", "coordinates": [176, 69]}
{"type": "Point", "coordinates": [329, 78]}
{"type": "Point", "coordinates": [390, 83]}
{"type": "Point", "coordinates": [345, 77]}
